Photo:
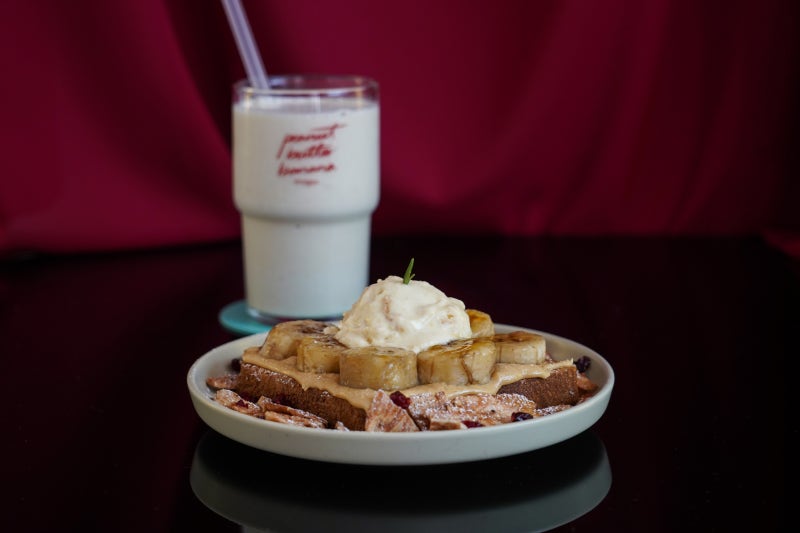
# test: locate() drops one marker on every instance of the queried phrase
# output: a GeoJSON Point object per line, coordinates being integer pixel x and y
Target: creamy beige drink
{"type": "Point", "coordinates": [306, 182]}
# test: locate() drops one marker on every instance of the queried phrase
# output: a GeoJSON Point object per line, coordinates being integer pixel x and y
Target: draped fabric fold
{"type": "Point", "coordinates": [517, 117]}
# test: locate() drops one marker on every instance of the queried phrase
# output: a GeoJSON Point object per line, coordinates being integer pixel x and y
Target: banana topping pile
{"type": "Point", "coordinates": [399, 334]}
{"type": "Point", "coordinates": [462, 361]}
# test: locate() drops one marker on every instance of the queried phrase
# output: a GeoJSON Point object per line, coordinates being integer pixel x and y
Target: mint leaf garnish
{"type": "Point", "coordinates": [408, 276]}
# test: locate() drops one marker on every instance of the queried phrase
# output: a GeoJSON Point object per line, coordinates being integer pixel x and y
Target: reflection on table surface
{"type": "Point", "coordinates": [101, 435]}
{"type": "Point", "coordinates": [535, 491]}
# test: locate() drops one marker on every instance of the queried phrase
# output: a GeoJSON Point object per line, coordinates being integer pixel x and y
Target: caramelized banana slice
{"type": "Point", "coordinates": [458, 362]}
{"type": "Point", "coordinates": [376, 367]}
{"type": "Point", "coordinates": [480, 323]}
{"type": "Point", "coordinates": [319, 354]}
{"type": "Point", "coordinates": [520, 347]}
{"type": "Point", "coordinates": [283, 338]}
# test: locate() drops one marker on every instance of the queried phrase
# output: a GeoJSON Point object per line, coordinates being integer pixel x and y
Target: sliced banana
{"type": "Point", "coordinates": [319, 354]}
{"type": "Point", "coordinates": [480, 323]}
{"type": "Point", "coordinates": [522, 347]}
{"type": "Point", "coordinates": [283, 339]}
{"type": "Point", "coordinates": [458, 362]}
{"type": "Point", "coordinates": [377, 367]}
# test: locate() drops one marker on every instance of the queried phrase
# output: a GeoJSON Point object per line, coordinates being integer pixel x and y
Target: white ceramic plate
{"type": "Point", "coordinates": [430, 447]}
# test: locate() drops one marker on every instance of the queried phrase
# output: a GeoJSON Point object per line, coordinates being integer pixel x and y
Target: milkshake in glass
{"type": "Point", "coordinates": [306, 181]}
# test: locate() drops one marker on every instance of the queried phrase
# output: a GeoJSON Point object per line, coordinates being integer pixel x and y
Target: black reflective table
{"type": "Point", "coordinates": [100, 433]}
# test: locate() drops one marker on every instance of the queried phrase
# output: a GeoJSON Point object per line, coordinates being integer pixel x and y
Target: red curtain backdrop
{"type": "Point", "coordinates": [518, 117]}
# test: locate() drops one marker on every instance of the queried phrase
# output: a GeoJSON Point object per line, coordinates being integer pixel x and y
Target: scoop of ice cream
{"type": "Point", "coordinates": [414, 316]}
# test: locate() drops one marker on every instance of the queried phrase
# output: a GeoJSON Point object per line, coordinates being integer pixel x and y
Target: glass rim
{"type": "Point", "coordinates": [310, 84]}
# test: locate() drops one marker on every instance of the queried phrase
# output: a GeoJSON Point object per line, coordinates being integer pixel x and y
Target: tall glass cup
{"type": "Point", "coordinates": [306, 175]}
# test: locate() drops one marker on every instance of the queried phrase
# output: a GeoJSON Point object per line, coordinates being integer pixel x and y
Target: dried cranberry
{"type": "Point", "coordinates": [520, 416]}
{"type": "Point", "coordinates": [582, 363]}
{"type": "Point", "coordinates": [400, 399]}
{"type": "Point", "coordinates": [471, 423]}
{"type": "Point", "coordinates": [236, 364]}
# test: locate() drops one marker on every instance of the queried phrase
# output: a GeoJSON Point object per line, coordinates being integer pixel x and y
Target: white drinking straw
{"type": "Point", "coordinates": [247, 46]}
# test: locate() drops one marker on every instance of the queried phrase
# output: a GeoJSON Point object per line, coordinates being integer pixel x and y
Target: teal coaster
{"type": "Point", "coordinates": [235, 318]}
